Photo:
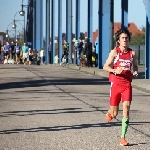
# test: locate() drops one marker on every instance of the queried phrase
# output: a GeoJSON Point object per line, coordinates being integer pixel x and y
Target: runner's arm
{"type": "Point", "coordinates": [135, 65]}
{"type": "Point", "coordinates": [107, 66]}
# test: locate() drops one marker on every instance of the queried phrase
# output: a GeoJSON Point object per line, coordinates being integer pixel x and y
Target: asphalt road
{"type": "Point", "coordinates": [56, 108]}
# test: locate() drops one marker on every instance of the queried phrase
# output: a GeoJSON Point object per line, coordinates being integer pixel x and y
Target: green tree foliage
{"type": "Point", "coordinates": [139, 38]}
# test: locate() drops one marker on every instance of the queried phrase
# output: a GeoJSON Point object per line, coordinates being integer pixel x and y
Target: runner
{"type": "Point", "coordinates": [25, 50]}
{"type": "Point", "coordinates": [119, 63]}
{"type": "Point", "coordinates": [7, 51]}
{"type": "Point", "coordinates": [17, 53]}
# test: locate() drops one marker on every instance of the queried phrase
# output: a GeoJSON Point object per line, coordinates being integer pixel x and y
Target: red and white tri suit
{"type": "Point", "coordinates": [121, 88]}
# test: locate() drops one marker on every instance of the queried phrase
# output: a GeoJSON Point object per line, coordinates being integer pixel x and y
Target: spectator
{"type": "Point", "coordinates": [88, 51]}
{"type": "Point", "coordinates": [2, 55]}
{"type": "Point", "coordinates": [0, 47]}
{"type": "Point", "coordinates": [49, 52]}
{"type": "Point", "coordinates": [96, 51]}
{"type": "Point", "coordinates": [79, 48]}
{"type": "Point", "coordinates": [65, 47]}
{"type": "Point", "coordinates": [30, 56]}
{"type": "Point", "coordinates": [42, 56]}
{"type": "Point", "coordinates": [35, 56]}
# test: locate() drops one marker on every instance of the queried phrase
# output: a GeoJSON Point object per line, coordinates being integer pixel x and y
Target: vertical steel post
{"type": "Point", "coordinates": [90, 20]}
{"type": "Point", "coordinates": [112, 24]}
{"type": "Point", "coordinates": [53, 31]}
{"type": "Point", "coordinates": [41, 23]}
{"type": "Point", "coordinates": [77, 26]}
{"type": "Point", "coordinates": [67, 19]}
{"type": "Point", "coordinates": [147, 45]}
{"type": "Point", "coordinates": [103, 32]}
{"type": "Point", "coordinates": [68, 25]}
{"type": "Point", "coordinates": [124, 18]}
{"type": "Point", "coordinates": [147, 39]}
{"type": "Point", "coordinates": [34, 24]}
{"type": "Point", "coordinates": [59, 29]}
{"type": "Point", "coordinates": [47, 29]}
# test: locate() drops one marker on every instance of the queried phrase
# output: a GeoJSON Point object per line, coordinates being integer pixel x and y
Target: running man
{"type": "Point", "coordinates": [25, 50]}
{"type": "Point", "coordinates": [119, 63]}
{"type": "Point", "coordinates": [17, 53]}
{"type": "Point", "coordinates": [7, 51]}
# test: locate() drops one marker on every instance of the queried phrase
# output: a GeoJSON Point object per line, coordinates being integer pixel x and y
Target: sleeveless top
{"type": "Point", "coordinates": [123, 60]}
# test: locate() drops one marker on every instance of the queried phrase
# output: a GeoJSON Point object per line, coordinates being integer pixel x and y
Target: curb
{"type": "Point", "coordinates": [141, 84]}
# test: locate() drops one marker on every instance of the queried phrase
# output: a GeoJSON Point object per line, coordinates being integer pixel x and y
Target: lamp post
{"type": "Point", "coordinates": [7, 34]}
{"type": "Point", "coordinates": [22, 13]}
{"type": "Point", "coordinates": [14, 26]}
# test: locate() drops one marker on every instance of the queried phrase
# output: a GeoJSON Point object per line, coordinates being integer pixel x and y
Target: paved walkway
{"type": "Point", "coordinates": [56, 108]}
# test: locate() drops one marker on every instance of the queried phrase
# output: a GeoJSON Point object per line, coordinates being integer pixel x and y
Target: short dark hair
{"type": "Point", "coordinates": [119, 32]}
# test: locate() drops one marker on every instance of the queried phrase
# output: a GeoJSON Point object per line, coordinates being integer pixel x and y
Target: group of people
{"type": "Point", "coordinates": [83, 49]}
{"type": "Point", "coordinates": [19, 54]}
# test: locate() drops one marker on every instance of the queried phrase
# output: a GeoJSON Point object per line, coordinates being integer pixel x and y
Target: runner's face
{"type": "Point", "coordinates": [123, 40]}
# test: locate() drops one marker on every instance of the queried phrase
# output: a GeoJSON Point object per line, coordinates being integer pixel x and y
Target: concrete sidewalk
{"type": "Point", "coordinates": [139, 83]}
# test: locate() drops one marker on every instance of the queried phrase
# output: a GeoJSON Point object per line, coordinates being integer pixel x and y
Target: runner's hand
{"type": "Point", "coordinates": [119, 70]}
{"type": "Point", "coordinates": [135, 73]}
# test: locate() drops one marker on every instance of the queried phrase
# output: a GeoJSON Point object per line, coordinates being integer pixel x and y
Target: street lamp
{"type": "Point", "coordinates": [22, 13]}
{"type": "Point", "coordinates": [14, 26]}
{"type": "Point", "coordinates": [7, 35]}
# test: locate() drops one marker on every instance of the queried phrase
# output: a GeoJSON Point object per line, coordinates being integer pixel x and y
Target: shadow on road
{"type": "Point", "coordinates": [38, 83]}
{"type": "Point", "coordinates": [72, 127]}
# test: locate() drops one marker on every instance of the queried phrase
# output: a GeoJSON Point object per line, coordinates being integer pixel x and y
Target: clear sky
{"type": "Point", "coordinates": [8, 9]}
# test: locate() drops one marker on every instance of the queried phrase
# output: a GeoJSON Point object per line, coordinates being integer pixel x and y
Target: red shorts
{"type": "Point", "coordinates": [120, 92]}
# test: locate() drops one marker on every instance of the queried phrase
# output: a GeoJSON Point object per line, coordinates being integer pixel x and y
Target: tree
{"type": "Point", "coordinates": [139, 38]}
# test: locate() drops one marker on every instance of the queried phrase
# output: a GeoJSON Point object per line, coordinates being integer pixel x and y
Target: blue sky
{"type": "Point", "coordinates": [135, 7]}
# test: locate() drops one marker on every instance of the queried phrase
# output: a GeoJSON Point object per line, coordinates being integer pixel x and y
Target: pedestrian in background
{"type": "Point", "coordinates": [96, 51]}
{"type": "Point", "coordinates": [42, 56]}
{"type": "Point", "coordinates": [79, 48]}
{"type": "Point", "coordinates": [49, 52]}
{"type": "Point", "coordinates": [88, 52]}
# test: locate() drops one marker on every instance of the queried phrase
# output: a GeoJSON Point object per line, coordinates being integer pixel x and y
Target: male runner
{"type": "Point", "coordinates": [119, 63]}
{"type": "Point", "coordinates": [7, 51]}
{"type": "Point", "coordinates": [25, 50]}
{"type": "Point", "coordinates": [17, 52]}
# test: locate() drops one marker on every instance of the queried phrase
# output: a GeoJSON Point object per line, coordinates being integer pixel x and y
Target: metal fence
{"type": "Point", "coordinates": [140, 50]}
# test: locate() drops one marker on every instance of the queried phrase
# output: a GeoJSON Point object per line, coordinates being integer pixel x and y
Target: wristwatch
{"type": "Point", "coordinates": [114, 72]}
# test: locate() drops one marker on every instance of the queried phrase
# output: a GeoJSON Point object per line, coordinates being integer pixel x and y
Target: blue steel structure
{"type": "Point", "coordinates": [59, 29]}
{"type": "Point", "coordinates": [29, 26]}
{"type": "Point", "coordinates": [68, 24]}
{"type": "Point", "coordinates": [52, 30]}
{"type": "Point", "coordinates": [90, 20]}
{"type": "Point", "coordinates": [47, 30]}
{"type": "Point", "coordinates": [124, 18]}
{"type": "Point", "coordinates": [77, 26]}
{"type": "Point", "coordinates": [39, 24]}
{"type": "Point", "coordinates": [103, 26]}
{"type": "Point", "coordinates": [103, 31]}
{"type": "Point", "coordinates": [147, 45]}
{"type": "Point", "coordinates": [34, 24]}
